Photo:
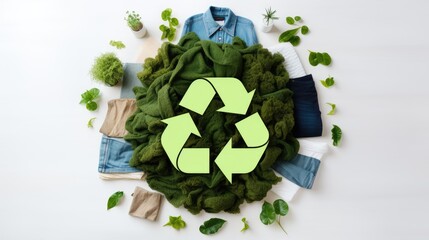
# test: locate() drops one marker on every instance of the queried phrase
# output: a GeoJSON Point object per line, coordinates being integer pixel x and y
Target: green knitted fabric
{"type": "Point", "coordinates": [166, 79]}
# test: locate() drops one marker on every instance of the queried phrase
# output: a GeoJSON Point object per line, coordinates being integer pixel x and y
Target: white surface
{"type": "Point", "coordinates": [375, 186]}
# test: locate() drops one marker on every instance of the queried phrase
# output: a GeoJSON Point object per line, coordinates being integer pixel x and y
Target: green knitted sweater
{"type": "Point", "coordinates": [165, 80]}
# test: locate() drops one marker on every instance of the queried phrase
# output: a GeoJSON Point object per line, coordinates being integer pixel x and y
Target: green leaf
{"type": "Point", "coordinates": [312, 58]}
{"type": "Point", "coordinates": [336, 135]}
{"type": "Point", "coordinates": [328, 82]}
{"type": "Point", "coordinates": [268, 214]}
{"type": "Point", "coordinates": [333, 107]}
{"type": "Point", "coordinates": [211, 226]}
{"type": "Point", "coordinates": [326, 59]}
{"type": "Point", "coordinates": [89, 124]}
{"type": "Point", "coordinates": [304, 30]}
{"type": "Point", "coordinates": [280, 207]}
{"type": "Point", "coordinates": [246, 225]}
{"type": "Point", "coordinates": [319, 57]}
{"type": "Point", "coordinates": [174, 22]}
{"type": "Point", "coordinates": [297, 18]}
{"type": "Point", "coordinates": [166, 14]}
{"type": "Point", "coordinates": [91, 106]}
{"type": "Point", "coordinates": [287, 35]}
{"type": "Point", "coordinates": [114, 199]}
{"type": "Point", "coordinates": [290, 20]}
{"type": "Point", "coordinates": [89, 95]}
{"type": "Point", "coordinates": [117, 44]}
{"type": "Point", "coordinates": [163, 27]}
{"type": "Point", "coordinates": [176, 222]}
{"type": "Point", "coordinates": [295, 40]}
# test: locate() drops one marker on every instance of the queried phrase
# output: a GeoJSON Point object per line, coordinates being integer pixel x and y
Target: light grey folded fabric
{"type": "Point", "coordinates": [145, 204]}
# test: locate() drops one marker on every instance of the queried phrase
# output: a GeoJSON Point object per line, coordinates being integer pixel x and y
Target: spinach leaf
{"type": "Point", "coordinates": [328, 82]}
{"type": "Point", "coordinates": [336, 135]}
{"type": "Point", "coordinates": [280, 207]}
{"type": "Point", "coordinates": [114, 199]}
{"type": "Point", "coordinates": [287, 35]}
{"type": "Point", "coordinates": [211, 226]}
{"type": "Point", "coordinates": [268, 214]}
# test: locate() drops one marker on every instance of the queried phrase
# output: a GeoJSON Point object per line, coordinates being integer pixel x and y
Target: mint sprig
{"type": "Point", "coordinates": [89, 97]}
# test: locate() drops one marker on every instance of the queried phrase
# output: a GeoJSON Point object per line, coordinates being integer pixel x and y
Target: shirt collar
{"type": "Point", "coordinates": [212, 26]}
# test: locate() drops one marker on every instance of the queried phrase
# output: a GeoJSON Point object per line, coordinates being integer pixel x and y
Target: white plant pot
{"type": "Point", "coordinates": [140, 33]}
{"type": "Point", "coordinates": [267, 27]}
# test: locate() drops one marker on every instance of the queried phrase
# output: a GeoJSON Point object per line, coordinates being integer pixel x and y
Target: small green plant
{"type": "Point", "coordinates": [88, 98]}
{"type": "Point", "coordinates": [108, 69]}
{"type": "Point", "coordinates": [269, 15]}
{"type": "Point", "coordinates": [114, 199]}
{"type": "Point", "coordinates": [117, 44]}
{"type": "Point", "coordinates": [271, 213]}
{"type": "Point", "coordinates": [176, 222]}
{"type": "Point", "coordinates": [291, 35]}
{"type": "Point", "coordinates": [319, 57]}
{"type": "Point", "coordinates": [168, 32]}
{"type": "Point", "coordinates": [133, 20]}
{"type": "Point", "coordinates": [90, 122]}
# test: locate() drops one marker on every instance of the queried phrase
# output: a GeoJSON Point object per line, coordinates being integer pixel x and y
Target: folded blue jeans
{"type": "Point", "coordinates": [301, 170]}
{"type": "Point", "coordinates": [115, 155]}
{"type": "Point", "coordinates": [308, 122]}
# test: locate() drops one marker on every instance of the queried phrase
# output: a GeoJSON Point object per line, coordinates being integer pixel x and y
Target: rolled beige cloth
{"type": "Point", "coordinates": [118, 112]}
{"type": "Point", "coordinates": [145, 204]}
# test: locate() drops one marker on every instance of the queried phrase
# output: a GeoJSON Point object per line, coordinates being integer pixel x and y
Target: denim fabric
{"type": "Point", "coordinates": [115, 155]}
{"type": "Point", "coordinates": [206, 27]}
{"type": "Point", "coordinates": [308, 122]}
{"type": "Point", "coordinates": [301, 170]}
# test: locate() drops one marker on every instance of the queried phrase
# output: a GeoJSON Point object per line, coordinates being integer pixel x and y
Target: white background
{"type": "Point", "coordinates": [374, 186]}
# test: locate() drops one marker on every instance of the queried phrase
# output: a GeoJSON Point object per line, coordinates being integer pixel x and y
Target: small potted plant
{"type": "Point", "coordinates": [133, 21]}
{"type": "Point", "coordinates": [269, 18]}
{"type": "Point", "coordinates": [107, 69]}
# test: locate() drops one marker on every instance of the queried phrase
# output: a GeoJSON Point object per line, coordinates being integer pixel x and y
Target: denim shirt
{"type": "Point", "coordinates": [206, 27]}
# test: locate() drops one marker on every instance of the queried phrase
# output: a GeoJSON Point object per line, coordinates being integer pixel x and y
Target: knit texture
{"type": "Point", "coordinates": [165, 80]}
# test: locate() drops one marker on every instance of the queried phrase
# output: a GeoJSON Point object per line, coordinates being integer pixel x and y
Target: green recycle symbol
{"type": "Point", "coordinates": [230, 160]}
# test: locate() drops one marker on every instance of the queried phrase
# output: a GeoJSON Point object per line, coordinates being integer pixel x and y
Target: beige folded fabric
{"type": "Point", "coordinates": [131, 176]}
{"type": "Point", "coordinates": [145, 204]}
{"type": "Point", "coordinates": [118, 112]}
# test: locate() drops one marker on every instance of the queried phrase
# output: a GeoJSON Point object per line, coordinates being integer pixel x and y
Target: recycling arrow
{"type": "Point", "coordinates": [232, 92]}
{"type": "Point", "coordinates": [243, 160]}
{"type": "Point", "coordinates": [230, 160]}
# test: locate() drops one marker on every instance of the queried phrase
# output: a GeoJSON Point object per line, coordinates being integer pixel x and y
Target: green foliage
{"type": "Point", "coordinates": [168, 32]}
{"type": "Point", "coordinates": [318, 57]}
{"type": "Point", "coordinates": [114, 199]}
{"type": "Point", "coordinates": [271, 213]}
{"type": "Point", "coordinates": [108, 69]}
{"type": "Point", "coordinates": [333, 107]}
{"type": "Point", "coordinates": [133, 20]}
{"type": "Point", "coordinates": [90, 122]}
{"type": "Point", "coordinates": [117, 44]}
{"type": "Point", "coordinates": [328, 82]}
{"type": "Point", "coordinates": [336, 135]}
{"type": "Point", "coordinates": [89, 97]}
{"type": "Point", "coordinates": [176, 222]}
{"type": "Point", "coordinates": [211, 226]}
{"type": "Point", "coordinates": [291, 34]}
{"type": "Point", "coordinates": [246, 225]}
{"type": "Point", "coordinates": [269, 15]}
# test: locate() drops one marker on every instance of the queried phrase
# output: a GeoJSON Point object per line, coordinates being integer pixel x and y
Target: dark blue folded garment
{"type": "Point", "coordinates": [308, 122]}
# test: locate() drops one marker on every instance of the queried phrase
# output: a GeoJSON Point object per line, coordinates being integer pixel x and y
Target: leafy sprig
{"type": "Point", "coordinates": [291, 35]}
{"type": "Point", "coordinates": [114, 199]}
{"type": "Point", "coordinates": [328, 82]}
{"type": "Point", "coordinates": [271, 213]}
{"type": "Point", "coordinates": [117, 44]}
{"type": "Point", "coordinates": [246, 225]}
{"type": "Point", "coordinates": [269, 15]}
{"type": "Point", "coordinates": [89, 97]}
{"type": "Point", "coordinates": [319, 57]}
{"type": "Point", "coordinates": [90, 122]}
{"type": "Point", "coordinates": [212, 226]}
{"type": "Point", "coordinates": [168, 32]}
{"type": "Point", "coordinates": [333, 108]}
{"type": "Point", "coordinates": [176, 222]}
